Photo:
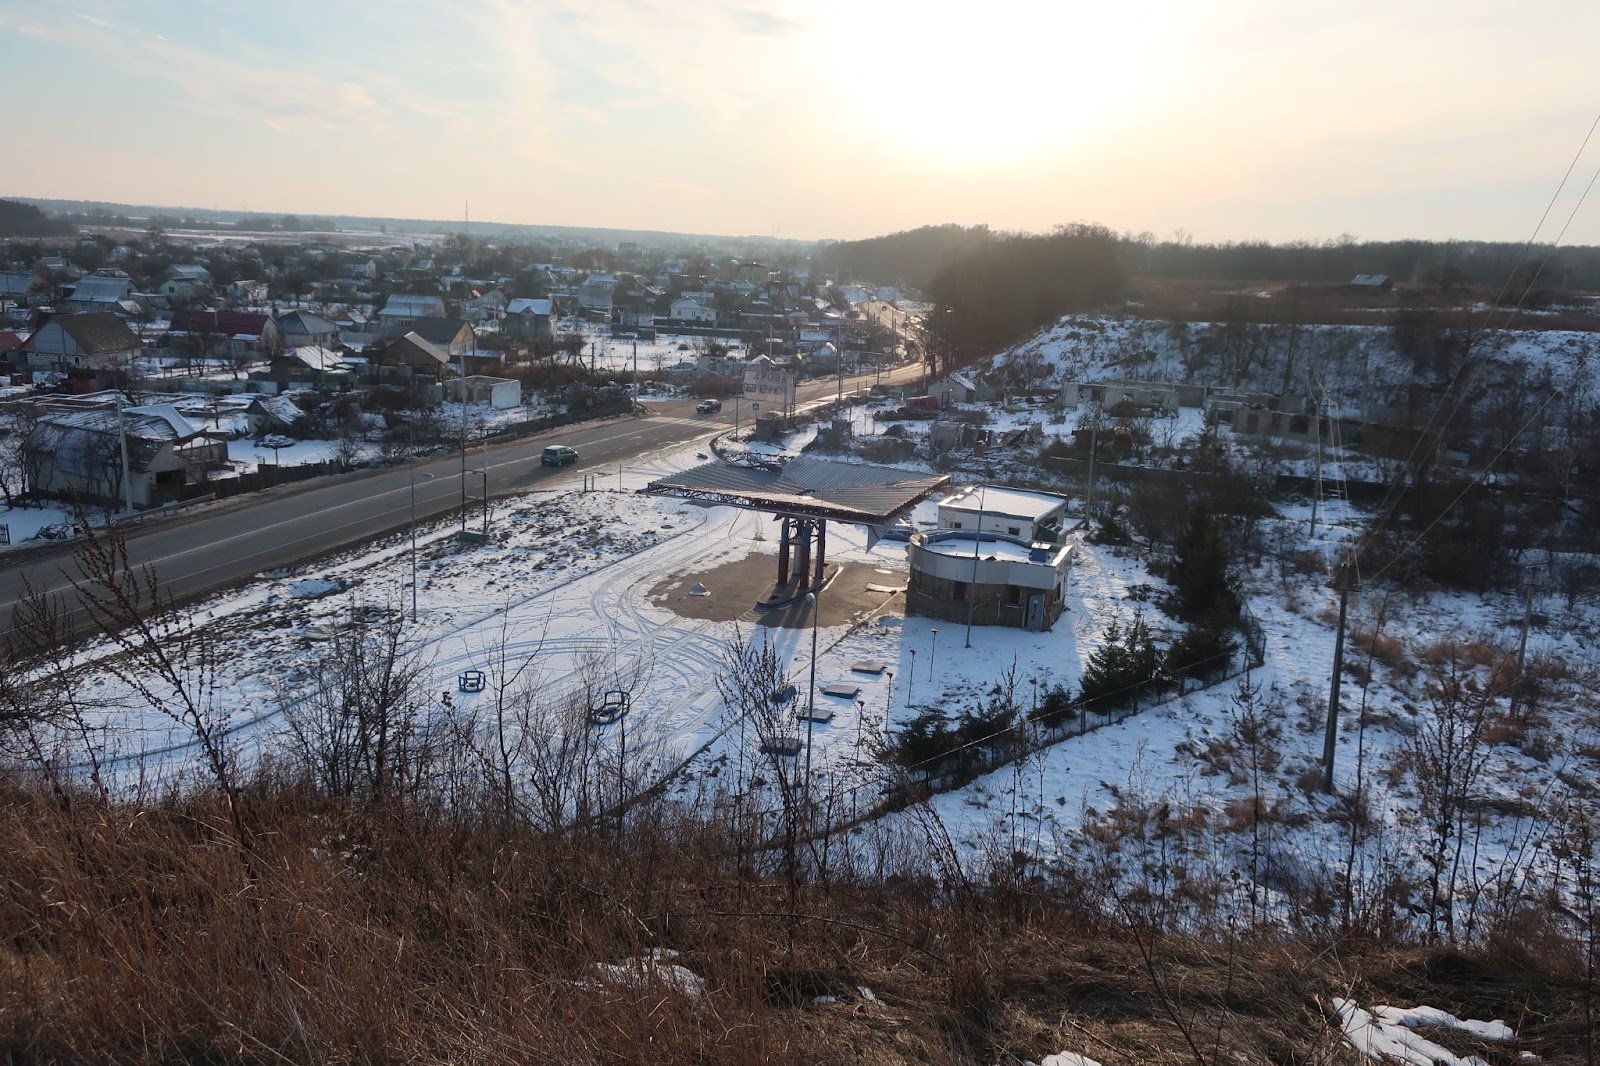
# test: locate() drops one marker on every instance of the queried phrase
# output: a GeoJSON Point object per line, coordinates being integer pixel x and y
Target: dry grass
{"type": "Point", "coordinates": [132, 935]}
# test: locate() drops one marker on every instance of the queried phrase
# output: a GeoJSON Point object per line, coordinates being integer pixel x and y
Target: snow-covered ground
{"type": "Point", "coordinates": [562, 593]}
{"type": "Point", "coordinates": [24, 523]}
{"type": "Point", "coordinates": [1359, 365]}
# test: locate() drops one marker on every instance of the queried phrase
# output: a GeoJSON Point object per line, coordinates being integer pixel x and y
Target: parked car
{"type": "Point", "coordinates": [557, 455]}
{"type": "Point", "coordinates": [707, 407]}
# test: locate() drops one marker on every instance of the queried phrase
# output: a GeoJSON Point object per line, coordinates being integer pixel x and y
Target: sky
{"type": "Point", "coordinates": [1227, 120]}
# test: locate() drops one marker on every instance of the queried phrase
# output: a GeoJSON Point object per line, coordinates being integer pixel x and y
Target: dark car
{"type": "Point", "coordinates": [557, 455]}
{"type": "Point", "coordinates": [708, 407]}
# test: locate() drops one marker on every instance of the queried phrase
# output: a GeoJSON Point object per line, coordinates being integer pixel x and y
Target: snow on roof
{"type": "Point", "coordinates": [305, 322]}
{"type": "Point", "coordinates": [1013, 503]}
{"type": "Point", "coordinates": [538, 307]}
{"type": "Point", "coordinates": [960, 543]}
{"type": "Point", "coordinates": [316, 357]}
{"type": "Point", "coordinates": [181, 426]}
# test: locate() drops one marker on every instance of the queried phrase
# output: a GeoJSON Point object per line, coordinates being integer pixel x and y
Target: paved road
{"type": "Point", "coordinates": [217, 545]}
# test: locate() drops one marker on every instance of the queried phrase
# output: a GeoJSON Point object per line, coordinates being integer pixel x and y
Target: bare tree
{"type": "Point", "coordinates": [360, 728]}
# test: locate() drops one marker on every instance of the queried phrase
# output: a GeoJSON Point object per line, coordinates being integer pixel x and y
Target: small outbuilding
{"type": "Point", "coordinates": [992, 579]}
{"type": "Point", "coordinates": [1030, 516]}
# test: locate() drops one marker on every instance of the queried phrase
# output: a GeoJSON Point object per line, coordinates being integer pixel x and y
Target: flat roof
{"type": "Point", "coordinates": [987, 548]}
{"type": "Point", "coordinates": [853, 492]}
{"type": "Point", "coordinates": [1012, 503]}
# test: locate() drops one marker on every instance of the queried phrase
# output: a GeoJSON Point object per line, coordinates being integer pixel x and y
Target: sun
{"type": "Point", "coordinates": [962, 86]}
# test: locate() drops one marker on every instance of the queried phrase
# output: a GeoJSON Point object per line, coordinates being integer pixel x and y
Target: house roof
{"type": "Point", "coordinates": [95, 289]}
{"type": "Point", "coordinates": [281, 410]}
{"type": "Point", "coordinates": [1010, 503]}
{"type": "Point", "coordinates": [305, 322]}
{"type": "Point", "coordinates": [97, 332]}
{"type": "Point", "coordinates": [445, 331]}
{"type": "Point", "coordinates": [538, 307]}
{"type": "Point", "coordinates": [409, 346]}
{"type": "Point", "coordinates": [1370, 280]}
{"type": "Point", "coordinates": [233, 323]}
{"type": "Point", "coordinates": [9, 341]}
{"type": "Point", "coordinates": [411, 304]}
{"type": "Point", "coordinates": [85, 441]}
{"type": "Point", "coordinates": [16, 283]}
{"type": "Point", "coordinates": [316, 357]}
{"type": "Point", "coordinates": [853, 492]}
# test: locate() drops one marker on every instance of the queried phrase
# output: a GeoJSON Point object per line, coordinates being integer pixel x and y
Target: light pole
{"type": "Point", "coordinates": [888, 706]}
{"type": "Point", "coordinates": [415, 477]}
{"type": "Point", "coordinates": [977, 545]}
{"type": "Point", "coordinates": [811, 699]}
{"type": "Point", "coordinates": [911, 678]}
{"type": "Point", "coordinates": [933, 651]}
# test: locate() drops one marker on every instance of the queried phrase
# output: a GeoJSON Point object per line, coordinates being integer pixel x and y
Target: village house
{"type": "Point", "coordinates": [298, 329]}
{"type": "Point", "coordinates": [691, 312]}
{"type": "Point", "coordinates": [596, 292]}
{"type": "Point", "coordinates": [78, 455]}
{"type": "Point", "coordinates": [235, 335]}
{"type": "Point", "coordinates": [402, 310]}
{"type": "Point", "coordinates": [489, 307]}
{"type": "Point", "coordinates": [529, 320]}
{"type": "Point", "coordinates": [102, 291]}
{"type": "Point", "coordinates": [94, 340]}
{"type": "Point", "coordinates": [412, 352]}
{"type": "Point", "coordinates": [450, 335]}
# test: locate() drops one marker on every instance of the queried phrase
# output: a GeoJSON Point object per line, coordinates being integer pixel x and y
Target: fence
{"type": "Point", "coordinates": [955, 768]}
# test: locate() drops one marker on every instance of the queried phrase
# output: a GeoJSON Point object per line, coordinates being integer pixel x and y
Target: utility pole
{"type": "Point", "coordinates": [122, 442]}
{"type": "Point", "coordinates": [1316, 497]}
{"type": "Point", "coordinates": [1094, 442]}
{"type": "Point", "coordinates": [1522, 642]}
{"type": "Point", "coordinates": [1344, 582]}
{"type": "Point", "coordinates": [977, 544]}
{"type": "Point", "coordinates": [462, 362]}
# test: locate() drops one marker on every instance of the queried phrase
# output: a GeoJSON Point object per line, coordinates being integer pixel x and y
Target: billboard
{"type": "Point", "coordinates": [769, 386]}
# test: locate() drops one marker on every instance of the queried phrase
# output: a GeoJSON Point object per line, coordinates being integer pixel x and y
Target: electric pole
{"type": "Point", "coordinates": [1344, 582]}
{"type": "Point", "coordinates": [1522, 643]}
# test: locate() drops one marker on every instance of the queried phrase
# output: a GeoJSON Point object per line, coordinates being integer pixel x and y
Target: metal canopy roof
{"type": "Point", "coordinates": [817, 488]}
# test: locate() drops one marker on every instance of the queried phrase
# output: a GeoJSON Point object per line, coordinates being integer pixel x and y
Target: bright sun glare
{"type": "Point", "coordinates": [966, 86]}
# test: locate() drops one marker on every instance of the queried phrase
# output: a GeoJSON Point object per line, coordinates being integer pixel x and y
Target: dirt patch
{"type": "Point", "coordinates": [735, 588]}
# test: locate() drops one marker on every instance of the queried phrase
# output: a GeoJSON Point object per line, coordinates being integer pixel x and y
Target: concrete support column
{"type": "Point", "coordinates": [803, 527]}
{"type": "Point", "coordinates": [822, 536]}
{"type": "Point", "coordinates": [783, 553]}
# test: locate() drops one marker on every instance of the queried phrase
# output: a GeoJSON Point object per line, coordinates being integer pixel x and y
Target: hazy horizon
{"type": "Point", "coordinates": [1233, 122]}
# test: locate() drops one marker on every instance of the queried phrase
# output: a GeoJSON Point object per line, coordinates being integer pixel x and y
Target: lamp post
{"type": "Point", "coordinates": [911, 678]}
{"type": "Point", "coordinates": [933, 651]}
{"type": "Point", "coordinates": [977, 545]}
{"type": "Point", "coordinates": [811, 699]}
{"type": "Point", "coordinates": [415, 477]}
{"type": "Point", "coordinates": [888, 705]}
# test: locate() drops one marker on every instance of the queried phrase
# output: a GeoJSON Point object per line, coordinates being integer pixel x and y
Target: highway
{"type": "Point", "coordinates": [217, 545]}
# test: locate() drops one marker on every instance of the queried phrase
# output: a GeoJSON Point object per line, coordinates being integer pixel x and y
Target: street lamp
{"type": "Point", "coordinates": [415, 477]}
{"type": "Point", "coordinates": [811, 699]}
{"type": "Point", "coordinates": [888, 706]}
{"type": "Point", "coordinates": [911, 677]}
{"type": "Point", "coordinates": [933, 651]}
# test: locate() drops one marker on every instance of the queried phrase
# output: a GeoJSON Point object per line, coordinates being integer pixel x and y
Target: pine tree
{"type": "Point", "coordinates": [1200, 575]}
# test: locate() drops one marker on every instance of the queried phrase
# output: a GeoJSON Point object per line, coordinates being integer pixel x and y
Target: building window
{"type": "Point", "coordinates": [1013, 595]}
{"type": "Point", "coordinates": [958, 590]}
{"type": "Point", "coordinates": [1015, 531]}
{"type": "Point", "coordinates": [955, 525]}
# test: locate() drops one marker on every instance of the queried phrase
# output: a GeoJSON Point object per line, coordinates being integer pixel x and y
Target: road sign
{"type": "Point", "coordinates": [755, 405]}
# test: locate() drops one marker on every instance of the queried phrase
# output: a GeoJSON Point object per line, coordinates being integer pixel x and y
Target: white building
{"type": "Point", "coordinates": [1029, 516]}
{"type": "Point", "coordinates": [992, 579]}
{"type": "Point", "coordinates": [693, 312]}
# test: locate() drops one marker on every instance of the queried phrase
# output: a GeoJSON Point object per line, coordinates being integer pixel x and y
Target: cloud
{"type": "Point", "coordinates": [762, 23]}
{"type": "Point", "coordinates": [91, 20]}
